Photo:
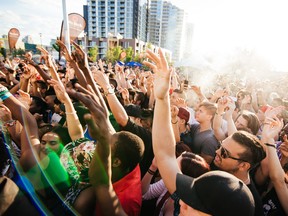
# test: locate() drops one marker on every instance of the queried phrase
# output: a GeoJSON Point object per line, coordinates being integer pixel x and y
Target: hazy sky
{"type": "Point", "coordinates": [219, 25]}
{"type": "Point", "coordinates": [32, 17]}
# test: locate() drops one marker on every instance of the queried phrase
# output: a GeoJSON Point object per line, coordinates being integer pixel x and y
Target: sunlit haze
{"type": "Point", "coordinates": [256, 25]}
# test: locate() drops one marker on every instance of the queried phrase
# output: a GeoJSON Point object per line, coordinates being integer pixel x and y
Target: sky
{"type": "Point", "coordinates": [33, 17]}
{"type": "Point", "coordinates": [220, 26]}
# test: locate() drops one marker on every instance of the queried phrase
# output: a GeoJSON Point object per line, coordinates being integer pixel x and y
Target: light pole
{"type": "Point", "coordinates": [40, 38]}
{"type": "Point", "coordinates": [85, 41]}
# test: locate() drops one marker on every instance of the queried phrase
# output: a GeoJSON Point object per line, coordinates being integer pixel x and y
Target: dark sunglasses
{"type": "Point", "coordinates": [225, 154]}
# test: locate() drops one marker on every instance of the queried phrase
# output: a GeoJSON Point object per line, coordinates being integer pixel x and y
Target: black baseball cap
{"type": "Point", "coordinates": [217, 193]}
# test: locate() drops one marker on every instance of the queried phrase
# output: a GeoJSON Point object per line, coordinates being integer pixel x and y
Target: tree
{"type": "Point", "coordinates": [18, 52]}
{"type": "Point", "coordinates": [3, 52]}
{"type": "Point", "coordinates": [149, 45]}
{"type": "Point", "coordinates": [113, 54]}
{"type": "Point", "coordinates": [129, 54]}
{"type": "Point", "coordinates": [138, 57]}
{"type": "Point", "coordinates": [93, 53]}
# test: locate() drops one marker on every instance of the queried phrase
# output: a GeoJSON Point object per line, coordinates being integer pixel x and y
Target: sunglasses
{"type": "Point", "coordinates": [224, 153]}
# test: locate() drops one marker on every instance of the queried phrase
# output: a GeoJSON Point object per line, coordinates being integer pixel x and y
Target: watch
{"type": "Point", "coordinates": [110, 90]}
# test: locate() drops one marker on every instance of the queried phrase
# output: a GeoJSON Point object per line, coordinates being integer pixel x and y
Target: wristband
{"type": "Point", "coordinates": [174, 122]}
{"type": "Point", "coordinates": [9, 123]}
{"type": "Point", "coordinates": [5, 96]}
{"type": "Point", "coordinates": [270, 145]}
{"type": "Point", "coordinates": [151, 172]}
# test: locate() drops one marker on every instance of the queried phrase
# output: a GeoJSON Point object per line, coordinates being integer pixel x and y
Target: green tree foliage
{"type": "Point", "coordinates": [137, 58]}
{"type": "Point", "coordinates": [149, 45]}
{"type": "Point", "coordinates": [18, 52]}
{"type": "Point", "coordinates": [129, 54]}
{"type": "Point", "coordinates": [3, 52]}
{"type": "Point", "coordinates": [113, 54]}
{"type": "Point", "coordinates": [93, 53]}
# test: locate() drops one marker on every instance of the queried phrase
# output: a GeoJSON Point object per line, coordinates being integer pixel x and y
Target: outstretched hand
{"type": "Point", "coordinates": [272, 127]}
{"type": "Point", "coordinates": [80, 56]}
{"type": "Point", "coordinates": [162, 74]}
{"type": "Point", "coordinates": [64, 50]}
{"type": "Point", "coordinates": [59, 90]}
{"type": "Point", "coordinates": [99, 125]}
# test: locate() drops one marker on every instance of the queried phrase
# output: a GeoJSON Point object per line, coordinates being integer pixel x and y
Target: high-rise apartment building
{"type": "Point", "coordinates": [166, 26]}
{"type": "Point", "coordinates": [124, 17]}
{"type": "Point", "coordinates": [156, 21]}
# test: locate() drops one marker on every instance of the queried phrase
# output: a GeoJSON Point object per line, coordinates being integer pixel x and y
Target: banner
{"type": "Point", "coordinates": [13, 36]}
{"type": "Point", "coordinates": [77, 24]}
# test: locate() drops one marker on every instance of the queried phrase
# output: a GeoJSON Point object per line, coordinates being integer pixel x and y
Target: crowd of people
{"type": "Point", "coordinates": [96, 138]}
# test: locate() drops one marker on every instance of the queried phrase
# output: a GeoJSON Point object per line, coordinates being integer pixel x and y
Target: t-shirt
{"type": "Point", "coordinates": [257, 199]}
{"type": "Point", "coordinates": [272, 205]}
{"type": "Point", "coordinates": [129, 192]}
{"type": "Point", "coordinates": [203, 142]}
{"type": "Point", "coordinates": [146, 136]}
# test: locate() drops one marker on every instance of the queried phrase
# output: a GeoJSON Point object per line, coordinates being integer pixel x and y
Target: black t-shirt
{"type": "Point", "coordinates": [272, 205]}
{"type": "Point", "coordinates": [203, 142]}
{"type": "Point", "coordinates": [146, 136]}
{"type": "Point", "coordinates": [257, 199]}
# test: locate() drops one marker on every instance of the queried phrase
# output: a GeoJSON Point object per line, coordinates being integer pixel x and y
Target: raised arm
{"type": "Point", "coordinates": [74, 127]}
{"type": "Point", "coordinates": [231, 127]}
{"type": "Point", "coordinates": [174, 121]}
{"type": "Point", "coordinates": [73, 64]}
{"type": "Point", "coordinates": [100, 166]}
{"type": "Point", "coordinates": [30, 129]}
{"type": "Point", "coordinates": [115, 106]}
{"type": "Point", "coordinates": [277, 175]}
{"type": "Point", "coordinates": [162, 132]}
{"type": "Point", "coordinates": [218, 119]}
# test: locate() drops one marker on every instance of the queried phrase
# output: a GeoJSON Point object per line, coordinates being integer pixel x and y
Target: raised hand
{"type": "Point", "coordinates": [59, 90]}
{"type": "Point", "coordinates": [180, 102]}
{"type": "Point", "coordinates": [222, 104]}
{"type": "Point", "coordinates": [230, 106]}
{"type": "Point", "coordinates": [174, 112]}
{"type": "Point", "coordinates": [99, 125]}
{"type": "Point", "coordinates": [28, 55]}
{"type": "Point", "coordinates": [64, 50]}
{"type": "Point", "coordinates": [24, 98]}
{"type": "Point", "coordinates": [162, 74]}
{"type": "Point", "coordinates": [101, 79]}
{"type": "Point", "coordinates": [46, 56]}
{"type": "Point", "coordinates": [80, 56]}
{"type": "Point", "coordinates": [124, 93]}
{"type": "Point", "coordinates": [5, 114]}
{"type": "Point", "coordinates": [100, 64]}
{"type": "Point", "coordinates": [272, 127]}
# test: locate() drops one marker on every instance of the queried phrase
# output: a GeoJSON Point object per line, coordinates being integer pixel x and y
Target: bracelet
{"type": "Point", "coordinates": [70, 113]}
{"type": "Point", "coordinates": [151, 172]}
{"type": "Point", "coordinates": [5, 96]}
{"type": "Point", "coordinates": [174, 122]}
{"type": "Point", "coordinates": [9, 123]}
{"type": "Point", "coordinates": [270, 145]}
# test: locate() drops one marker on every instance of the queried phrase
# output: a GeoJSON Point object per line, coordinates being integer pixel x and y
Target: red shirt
{"type": "Point", "coordinates": [129, 193]}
